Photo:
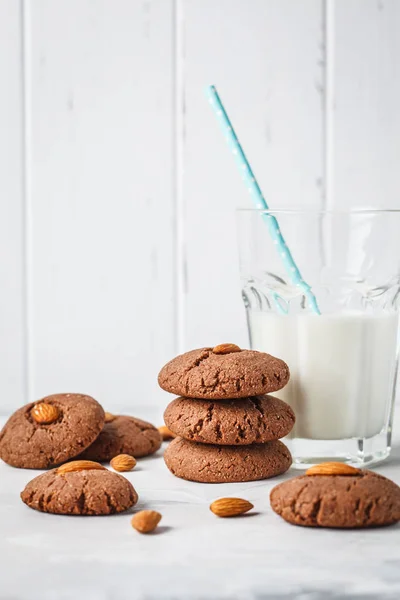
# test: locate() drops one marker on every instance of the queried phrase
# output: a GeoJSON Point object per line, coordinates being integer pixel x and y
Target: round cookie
{"type": "Point", "coordinates": [29, 444]}
{"type": "Point", "coordinates": [83, 492]}
{"type": "Point", "coordinates": [208, 463]}
{"type": "Point", "coordinates": [345, 501]}
{"type": "Point", "coordinates": [124, 435]}
{"type": "Point", "coordinates": [246, 421]}
{"type": "Point", "coordinates": [204, 374]}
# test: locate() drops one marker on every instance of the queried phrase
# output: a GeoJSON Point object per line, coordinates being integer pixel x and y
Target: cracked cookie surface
{"type": "Point", "coordinates": [364, 500]}
{"type": "Point", "coordinates": [208, 463]}
{"type": "Point", "coordinates": [230, 422]}
{"type": "Point", "coordinates": [89, 492]}
{"type": "Point", "coordinates": [124, 435]}
{"type": "Point", "coordinates": [30, 445]}
{"type": "Point", "coordinates": [203, 374]}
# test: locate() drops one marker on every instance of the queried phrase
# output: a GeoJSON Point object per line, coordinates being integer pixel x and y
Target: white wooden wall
{"type": "Point", "coordinates": [117, 193]}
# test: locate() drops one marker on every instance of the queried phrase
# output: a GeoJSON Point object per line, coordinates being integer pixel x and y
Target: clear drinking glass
{"type": "Point", "coordinates": [343, 362]}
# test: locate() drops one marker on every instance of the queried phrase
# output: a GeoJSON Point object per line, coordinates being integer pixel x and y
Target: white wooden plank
{"type": "Point", "coordinates": [102, 204]}
{"type": "Point", "coordinates": [365, 103]}
{"type": "Point", "coordinates": [266, 59]}
{"type": "Point", "coordinates": [12, 372]}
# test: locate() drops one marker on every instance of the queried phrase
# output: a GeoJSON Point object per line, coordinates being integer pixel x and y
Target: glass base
{"type": "Point", "coordinates": [357, 452]}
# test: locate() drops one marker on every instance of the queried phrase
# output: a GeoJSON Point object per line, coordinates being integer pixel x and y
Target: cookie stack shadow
{"type": "Point", "coordinates": [227, 425]}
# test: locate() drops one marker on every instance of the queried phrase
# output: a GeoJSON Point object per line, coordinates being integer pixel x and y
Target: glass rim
{"type": "Point", "coordinates": [321, 211]}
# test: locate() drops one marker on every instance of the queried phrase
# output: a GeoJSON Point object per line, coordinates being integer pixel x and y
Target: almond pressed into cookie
{"type": "Point", "coordinates": [365, 499]}
{"type": "Point", "coordinates": [80, 492]}
{"type": "Point", "coordinates": [206, 374]}
{"type": "Point", "coordinates": [48, 432]}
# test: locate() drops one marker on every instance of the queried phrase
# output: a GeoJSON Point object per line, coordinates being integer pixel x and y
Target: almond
{"type": "Point", "coordinates": [333, 468]}
{"type": "Point", "coordinates": [123, 462]}
{"type": "Point", "coordinates": [45, 413]}
{"type": "Point", "coordinates": [79, 465]}
{"type": "Point", "coordinates": [108, 417]}
{"type": "Point", "coordinates": [146, 521]}
{"type": "Point", "coordinates": [166, 433]}
{"type": "Point", "coordinates": [226, 349]}
{"type": "Point", "coordinates": [230, 507]}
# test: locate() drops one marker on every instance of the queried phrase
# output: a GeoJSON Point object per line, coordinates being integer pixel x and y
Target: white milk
{"type": "Point", "coordinates": [342, 369]}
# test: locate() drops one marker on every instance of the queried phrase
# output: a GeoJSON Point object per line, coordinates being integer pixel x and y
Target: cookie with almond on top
{"type": "Point", "coordinates": [337, 495]}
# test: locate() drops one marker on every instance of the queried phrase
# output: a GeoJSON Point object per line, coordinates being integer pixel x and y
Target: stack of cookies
{"type": "Point", "coordinates": [228, 428]}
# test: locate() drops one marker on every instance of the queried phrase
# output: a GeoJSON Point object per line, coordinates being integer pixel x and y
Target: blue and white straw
{"type": "Point", "coordinates": [258, 198]}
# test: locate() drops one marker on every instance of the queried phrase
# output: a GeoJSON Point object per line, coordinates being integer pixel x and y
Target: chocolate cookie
{"type": "Point", "coordinates": [208, 463]}
{"type": "Point", "coordinates": [124, 435]}
{"type": "Point", "coordinates": [230, 422]}
{"type": "Point", "coordinates": [49, 432]}
{"type": "Point", "coordinates": [218, 376]}
{"type": "Point", "coordinates": [363, 500]}
{"type": "Point", "coordinates": [90, 491]}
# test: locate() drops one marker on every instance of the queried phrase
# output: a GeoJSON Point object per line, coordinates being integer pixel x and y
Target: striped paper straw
{"type": "Point", "coordinates": [258, 198]}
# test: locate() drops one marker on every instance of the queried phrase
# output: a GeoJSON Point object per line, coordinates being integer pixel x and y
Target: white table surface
{"type": "Point", "coordinates": [194, 555]}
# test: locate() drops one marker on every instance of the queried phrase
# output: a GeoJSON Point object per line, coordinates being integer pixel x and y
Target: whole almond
{"type": "Point", "coordinates": [333, 468]}
{"type": "Point", "coordinates": [45, 413]}
{"type": "Point", "coordinates": [108, 417]}
{"type": "Point", "coordinates": [123, 462]}
{"type": "Point", "coordinates": [79, 465]}
{"type": "Point", "coordinates": [230, 507]}
{"type": "Point", "coordinates": [166, 433]}
{"type": "Point", "coordinates": [146, 521]}
{"type": "Point", "coordinates": [226, 349]}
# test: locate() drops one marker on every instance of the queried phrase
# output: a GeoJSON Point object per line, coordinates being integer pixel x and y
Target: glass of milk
{"type": "Point", "coordinates": [344, 361]}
